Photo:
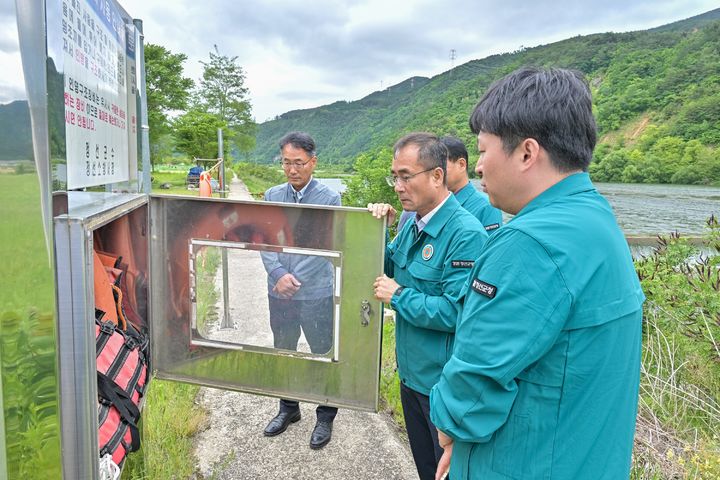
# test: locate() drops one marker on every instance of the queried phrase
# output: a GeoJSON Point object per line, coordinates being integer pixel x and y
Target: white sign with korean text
{"type": "Point", "coordinates": [96, 123]}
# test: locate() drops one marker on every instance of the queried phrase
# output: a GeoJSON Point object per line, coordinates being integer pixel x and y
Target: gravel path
{"type": "Point", "coordinates": [364, 445]}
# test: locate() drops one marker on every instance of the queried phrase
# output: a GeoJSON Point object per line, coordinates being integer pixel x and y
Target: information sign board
{"type": "Point", "coordinates": [96, 93]}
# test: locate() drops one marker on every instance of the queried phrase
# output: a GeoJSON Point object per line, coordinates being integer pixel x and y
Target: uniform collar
{"type": "Point", "coordinates": [422, 221]}
{"type": "Point", "coordinates": [464, 193]}
{"type": "Point", "coordinates": [570, 185]}
{"type": "Point", "coordinates": [441, 216]}
{"type": "Point", "coordinates": [309, 187]}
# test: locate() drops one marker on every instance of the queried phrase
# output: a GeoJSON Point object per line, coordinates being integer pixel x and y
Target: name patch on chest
{"type": "Point", "coordinates": [492, 227]}
{"type": "Point", "coordinates": [484, 288]}
{"type": "Point", "coordinates": [462, 263]}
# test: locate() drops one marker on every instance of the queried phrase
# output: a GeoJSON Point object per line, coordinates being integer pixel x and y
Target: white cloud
{"type": "Point", "coordinates": [12, 86]}
{"type": "Point", "coordinates": [305, 54]}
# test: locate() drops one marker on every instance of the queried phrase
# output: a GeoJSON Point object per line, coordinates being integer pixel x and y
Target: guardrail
{"type": "Point", "coordinates": [652, 241]}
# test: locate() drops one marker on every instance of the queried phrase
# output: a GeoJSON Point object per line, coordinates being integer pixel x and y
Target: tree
{"type": "Point", "coordinates": [164, 148]}
{"type": "Point", "coordinates": [368, 185]}
{"type": "Point", "coordinates": [167, 91]}
{"type": "Point", "coordinates": [222, 92]}
{"type": "Point", "coordinates": [609, 167]}
{"type": "Point", "coordinates": [196, 133]}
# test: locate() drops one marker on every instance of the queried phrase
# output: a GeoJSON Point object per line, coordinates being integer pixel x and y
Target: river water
{"type": "Point", "coordinates": [652, 209]}
{"type": "Point", "coordinates": [643, 209]}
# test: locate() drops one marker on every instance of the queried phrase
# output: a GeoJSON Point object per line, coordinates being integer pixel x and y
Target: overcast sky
{"type": "Point", "coordinates": [305, 54]}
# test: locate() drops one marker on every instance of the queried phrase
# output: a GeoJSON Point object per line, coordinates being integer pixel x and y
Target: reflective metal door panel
{"type": "Point", "coordinates": [200, 337]}
{"type": "Point", "coordinates": [29, 412]}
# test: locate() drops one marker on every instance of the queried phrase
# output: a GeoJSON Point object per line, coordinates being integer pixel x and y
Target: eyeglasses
{"type": "Point", "coordinates": [393, 180]}
{"type": "Point", "coordinates": [297, 165]}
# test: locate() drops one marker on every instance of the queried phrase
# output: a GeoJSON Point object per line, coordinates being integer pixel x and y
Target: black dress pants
{"type": "Point", "coordinates": [314, 318]}
{"type": "Point", "coordinates": [422, 434]}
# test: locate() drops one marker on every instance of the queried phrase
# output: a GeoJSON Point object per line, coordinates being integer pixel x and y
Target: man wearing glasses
{"type": "Point", "coordinates": [300, 288]}
{"type": "Point", "coordinates": [459, 183]}
{"type": "Point", "coordinates": [426, 266]}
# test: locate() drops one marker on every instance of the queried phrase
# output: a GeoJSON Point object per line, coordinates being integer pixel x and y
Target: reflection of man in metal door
{"type": "Point", "coordinates": [300, 287]}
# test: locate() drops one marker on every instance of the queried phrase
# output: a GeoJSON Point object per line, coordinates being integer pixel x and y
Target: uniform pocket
{"type": "Point", "coordinates": [427, 276]}
{"type": "Point", "coordinates": [524, 446]}
{"type": "Point", "coordinates": [510, 455]}
{"type": "Point", "coordinates": [399, 258]}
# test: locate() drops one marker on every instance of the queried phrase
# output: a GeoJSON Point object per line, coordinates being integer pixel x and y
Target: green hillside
{"type": "Point", "coordinates": [15, 136]}
{"type": "Point", "coordinates": [656, 94]}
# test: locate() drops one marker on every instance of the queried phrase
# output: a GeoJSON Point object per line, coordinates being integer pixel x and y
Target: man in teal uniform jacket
{"type": "Point", "coordinates": [543, 379]}
{"type": "Point", "coordinates": [426, 266]}
{"type": "Point", "coordinates": [465, 192]}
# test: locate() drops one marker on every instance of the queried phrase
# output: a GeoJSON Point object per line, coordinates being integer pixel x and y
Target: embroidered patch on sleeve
{"type": "Point", "coordinates": [484, 288]}
{"type": "Point", "coordinates": [492, 227]}
{"type": "Point", "coordinates": [462, 263]}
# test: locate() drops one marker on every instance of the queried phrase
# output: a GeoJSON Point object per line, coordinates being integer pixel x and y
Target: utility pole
{"type": "Point", "coordinates": [223, 185]}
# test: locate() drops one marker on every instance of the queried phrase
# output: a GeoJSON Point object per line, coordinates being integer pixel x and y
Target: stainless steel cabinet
{"type": "Point", "coordinates": [201, 285]}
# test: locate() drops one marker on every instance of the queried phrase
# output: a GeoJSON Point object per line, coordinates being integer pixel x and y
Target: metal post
{"type": "Point", "coordinates": [221, 157]}
{"type": "Point", "coordinates": [144, 130]}
{"type": "Point", "coordinates": [226, 320]}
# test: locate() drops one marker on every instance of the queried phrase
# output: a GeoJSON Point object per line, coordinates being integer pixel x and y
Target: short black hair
{"type": "Point", "coordinates": [299, 140]}
{"type": "Point", "coordinates": [456, 149]}
{"type": "Point", "coordinates": [552, 106]}
{"type": "Point", "coordinates": [432, 153]}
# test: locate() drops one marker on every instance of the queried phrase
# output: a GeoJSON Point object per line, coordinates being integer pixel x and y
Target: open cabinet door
{"type": "Point", "coordinates": [213, 266]}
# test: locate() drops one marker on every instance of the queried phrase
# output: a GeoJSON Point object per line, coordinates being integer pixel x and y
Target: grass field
{"type": "Point", "coordinates": [31, 428]}
{"type": "Point", "coordinates": [22, 239]}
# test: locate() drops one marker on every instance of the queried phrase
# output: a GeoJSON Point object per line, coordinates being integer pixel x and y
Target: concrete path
{"type": "Point", "coordinates": [363, 446]}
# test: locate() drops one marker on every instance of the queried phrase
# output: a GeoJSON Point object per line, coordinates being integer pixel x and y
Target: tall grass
{"type": "Point", "coordinates": [389, 379]}
{"type": "Point", "coordinates": [171, 419]}
{"type": "Point", "coordinates": [679, 406]}
{"type": "Point", "coordinates": [677, 419]}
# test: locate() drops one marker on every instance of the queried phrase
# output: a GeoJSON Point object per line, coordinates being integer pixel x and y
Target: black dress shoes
{"type": "Point", "coordinates": [321, 435]}
{"type": "Point", "coordinates": [281, 422]}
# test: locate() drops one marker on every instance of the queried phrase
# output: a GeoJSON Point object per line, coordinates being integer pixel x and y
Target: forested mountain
{"type": "Point", "coordinates": [15, 136]}
{"type": "Point", "coordinates": [656, 95]}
